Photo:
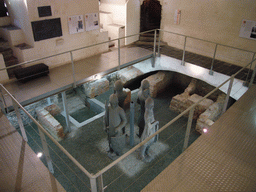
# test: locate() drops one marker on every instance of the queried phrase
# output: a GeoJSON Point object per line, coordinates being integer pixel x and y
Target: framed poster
{"type": "Point", "coordinates": [91, 21]}
{"type": "Point", "coordinates": [248, 29]}
{"type": "Point", "coordinates": [76, 24]}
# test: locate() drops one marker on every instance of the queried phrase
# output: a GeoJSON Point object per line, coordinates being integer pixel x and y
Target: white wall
{"type": "Point", "coordinates": [217, 21]}
{"type": "Point", "coordinates": [3, 74]}
{"type": "Point", "coordinates": [60, 9]}
{"type": "Point", "coordinates": [132, 25]}
{"type": "Point", "coordinates": [118, 11]}
{"type": "Point", "coordinates": [18, 12]}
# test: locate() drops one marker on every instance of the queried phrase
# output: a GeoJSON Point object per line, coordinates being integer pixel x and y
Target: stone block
{"type": "Point", "coordinates": [201, 107]}
{"type": "Point", "coordinates": [158, 82]}
{"type": "Point", "coordinates": [207, 118]}
{"type": "Point", "coordinates": [177, 103]}
{"type": "Point", "coordinates": [50, 124]}
{"type": "Point", "coordinates": [53, 109]}
{"type": "Point", "coordinates": [93, 89]}
{"type": "Point", "coordinates": [128, 74]}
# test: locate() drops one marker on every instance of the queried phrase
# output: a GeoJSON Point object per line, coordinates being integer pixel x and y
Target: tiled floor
{"type": "Point", "coordinates": [223, 159]}
{"type": "Point", "coordinates": [62, 76]}
{"type": "Point", "coordinates": [20, 168]}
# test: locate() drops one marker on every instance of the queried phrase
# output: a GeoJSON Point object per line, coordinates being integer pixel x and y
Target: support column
{"type": "Point", "coordinates": [213, 58]}
{"type": "Point", "coordinates": [131, 123]}
{"type": "Point", "coordinates": [65, 106]}
{"type": "Point", "coordinates": [23, 132]}
{"type": "Point", "coordinates": [228, 94]}
{"type": "Point", "coordinates": [119, 55]}
{"type": "Point", "coordinates": [73, 69]}
{"type": "Point", "coordinates": [190, 119]}
{"type": "Point", "coordinates": [46, 151]}
{"type": "Point", "coordinates": [184, 51]}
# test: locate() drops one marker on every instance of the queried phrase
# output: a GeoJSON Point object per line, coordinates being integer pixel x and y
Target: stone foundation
{"type": "Point", "coordinates": [180, 103]}
{"type": "Point", "coordinates": [50, 124]}
{"type": "Point", "coordinates": [158, 82]}
{"type": "Point", "coordinates": [129, 74]}
{"type": "Point", "coordinates": [93, 89]}
{"type": "Point", "coordinates": [207, 118]}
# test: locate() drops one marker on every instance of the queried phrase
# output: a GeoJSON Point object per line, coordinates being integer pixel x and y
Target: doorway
{"type": "Point", "coordinates": [150, 15]}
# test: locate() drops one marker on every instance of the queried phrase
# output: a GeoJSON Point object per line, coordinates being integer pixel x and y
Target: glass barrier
{"type": "Point", "coordinates": [81, 160]}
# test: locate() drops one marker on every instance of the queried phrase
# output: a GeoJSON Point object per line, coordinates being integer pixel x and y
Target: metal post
{"type": "Point", "coordinates": [131, 123]}
{"type": "Point", "coordinates": [93, 183]}
{"type": "Point", "coordinates": [119, 55]}
{"type": "Point", "coordinates": [100, 183]}
{"type": "Point", "coordinates": [184, 51]}
{"type": "Point", "coordinates": [46, 151]}
{"type": "Point", "coordinates": [190, 119]}
{"type": "Point", "coordinates": [159, 43]}
{"type": "Point", "coordinates": [65, 106]}
{"type": "Point", "coordinates": [23, 132]}
{"type": "Point", "coordinates": [213, 58]}
{"type": "Point", "coordinates": [253, 74]}
{"type": "Point", "coordinates": [3, 103]}
{"type": "Point", "coordinates": [154, 52]}
{"type": "Point", "coordinates": [73, 68]}
{"type": "Point", "coordinates": [49, 101]}
{"type": "Point", "coordinates": [228, 94]}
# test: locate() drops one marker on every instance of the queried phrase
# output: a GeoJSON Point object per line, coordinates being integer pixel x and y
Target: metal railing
{"type": "Point", "coordinates": [216, 45]}
{"type": "Point", "coordinates": [96, 180]}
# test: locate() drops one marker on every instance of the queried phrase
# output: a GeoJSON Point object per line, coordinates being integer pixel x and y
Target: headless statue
{"type": "Point", "coordinates": [121, 95]}
{"type": "Point", "coordinates": [150, 128]}
{"type": "Point", "coordinates": [142, 96]}
{"type": "Point", "coordinates": [115, 121]}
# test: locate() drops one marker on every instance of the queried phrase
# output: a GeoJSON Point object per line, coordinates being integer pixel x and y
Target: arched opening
{"type": "Point", "coordinates": [150, 15]}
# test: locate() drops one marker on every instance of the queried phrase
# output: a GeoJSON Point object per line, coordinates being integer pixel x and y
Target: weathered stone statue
{"type": "Point", "coordinates": [143, 94]}
{"type": "Point", "coordinates": [115, 121]}
{"type": "Point", "coordinates": [120, 93]}
{"type": "Point", "coordinates": [151, 126]}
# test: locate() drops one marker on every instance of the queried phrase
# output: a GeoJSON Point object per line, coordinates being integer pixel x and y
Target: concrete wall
{"type": "Point", "coordinates": [118, 12]}
{"type": "Point", "coordinates": [132, 21]}
{"type": "Point", "coordinates": [5, 21]}
{"type": "Point", "coordinates": [60, 9]}
{"type": "Point", "coordinates": [217, 21]}
{"type": "Point", "coordinates": [3, 74]}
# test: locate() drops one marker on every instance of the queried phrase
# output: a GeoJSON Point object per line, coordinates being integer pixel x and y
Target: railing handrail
{"type": "Point", "coordinates": [48, 134]}
{"type": "Point", "coordinates": [88, 46]}
{"type": "Point", "coordinates": [207, 41]}
{"type": "Point", "coordinates": [93, 176]}
{"type": "Point", "coordinates": [164, 127]}
{"type": "Point", "coordinates": [77, 49]}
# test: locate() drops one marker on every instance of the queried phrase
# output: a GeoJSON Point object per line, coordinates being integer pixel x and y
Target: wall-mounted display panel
{"type": "Point", "coordinates": [76, 24]}
{"type": "Point", "coordinates": [91, 21]}
{"type": "Point", "coordinates": [248, 29]}
{"type": "Point", "coordinates": [44, 11]}
{"type": "Point", "coordinates": [46, 29]}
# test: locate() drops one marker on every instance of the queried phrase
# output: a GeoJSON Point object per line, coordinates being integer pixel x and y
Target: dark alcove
{"type": "Point", "coordinates": [150, 15]}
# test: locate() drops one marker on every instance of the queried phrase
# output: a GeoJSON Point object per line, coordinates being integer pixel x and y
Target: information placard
{"type": "Point", "coordinates": [76, 24]}
{"type": "Point", "coordinates": [91, 21]}
{"type": "Point", "coordinates": [248, 29]}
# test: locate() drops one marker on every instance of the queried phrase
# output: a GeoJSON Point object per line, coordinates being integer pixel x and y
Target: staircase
{"type": "Point", "coordinates": [9, 59]}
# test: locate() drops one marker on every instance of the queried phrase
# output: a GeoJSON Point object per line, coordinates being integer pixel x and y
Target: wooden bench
{"type": "Point", "coordinates": [28, 73]}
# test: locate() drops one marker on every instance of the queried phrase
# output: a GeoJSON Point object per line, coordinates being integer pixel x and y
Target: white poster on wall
{"type": "Point", "coordinates": [76, 24]}
{"type": "Point", "coordinates": [248, 29]}
{"type": "Point", "coordinates": [91, 21]}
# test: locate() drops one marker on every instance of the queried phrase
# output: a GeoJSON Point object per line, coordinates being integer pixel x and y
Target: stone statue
{"type": "Point", "coordinates": [142, 96]}
{"type": "Point", "coordinates": [114, 121]}
{"type": "Point", "coordinates": [151, 126]}
{"type": "Point", "coordinates": [121, 95]}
